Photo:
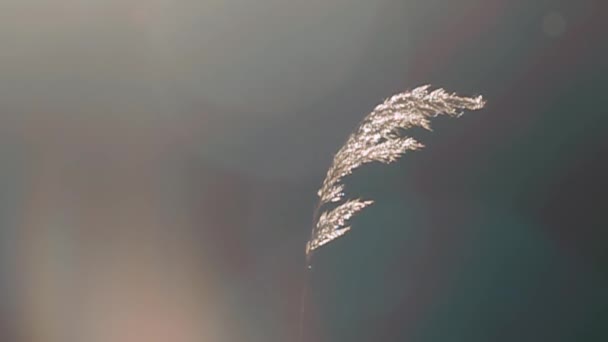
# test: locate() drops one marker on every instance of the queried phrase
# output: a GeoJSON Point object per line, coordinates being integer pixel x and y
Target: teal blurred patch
{"type": "Point", "coordinates": [513, 286]}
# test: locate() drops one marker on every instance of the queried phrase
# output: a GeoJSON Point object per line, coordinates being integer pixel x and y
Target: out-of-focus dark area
{"type": "Point", "coordinates": [160, 159]}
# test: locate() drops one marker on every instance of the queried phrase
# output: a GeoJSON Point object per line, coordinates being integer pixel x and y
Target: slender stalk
{"type": "Point", "coordinates": [303, 299]}
{"type": "Point", "coordinates": [305, 280]}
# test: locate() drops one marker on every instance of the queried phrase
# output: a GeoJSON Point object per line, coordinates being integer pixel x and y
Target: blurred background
{"type": "Point", "coordinates": [159, 162]}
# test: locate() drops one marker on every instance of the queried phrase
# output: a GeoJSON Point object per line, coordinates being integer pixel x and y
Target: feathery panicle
{"type": "Point", "coordinates": [380, 138]}
{"type": "Point", "coordinates": [332, 223]}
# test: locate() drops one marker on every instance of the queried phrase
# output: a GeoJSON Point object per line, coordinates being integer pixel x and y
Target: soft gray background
{"type": "Point", "coordinates": [159, 162]}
